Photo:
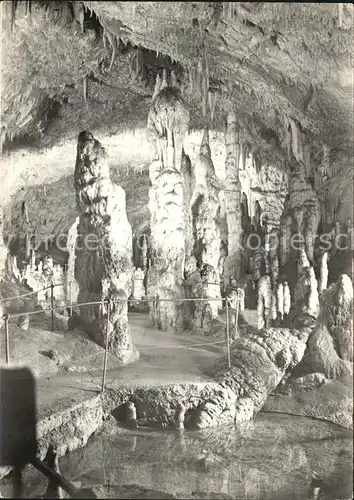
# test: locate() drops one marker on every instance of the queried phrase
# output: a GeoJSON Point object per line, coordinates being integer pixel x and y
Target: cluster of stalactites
{"type": "Point", "coordinates": [168, 122]}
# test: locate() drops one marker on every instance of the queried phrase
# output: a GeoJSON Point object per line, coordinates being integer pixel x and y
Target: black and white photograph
{"type": "Point", "coordinates": [176, 250]}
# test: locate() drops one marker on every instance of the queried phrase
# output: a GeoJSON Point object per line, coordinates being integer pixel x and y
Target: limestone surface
{"type": "Point", "coordinates": [259, 361]}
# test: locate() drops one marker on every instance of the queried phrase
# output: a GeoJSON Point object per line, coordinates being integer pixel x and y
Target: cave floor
{"type": "Point", "coordinates": [165, 358]}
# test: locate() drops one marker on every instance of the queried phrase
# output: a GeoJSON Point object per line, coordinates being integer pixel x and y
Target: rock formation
{"type": "Point", "coordinates": [138, 285]}
{"type": "Point", "coordinates": [205, 208]}
{"type": "Point", "coordinates": [189, 185]}
{"type": "Point", "coordinates": [259, 363]}
{"type": "Point", "coordinates": [3, 249]}
{"type": "Point", "coordinates": [301, 214]}
{"type": "Point", "coordinates": [144, 254]}
{"type": "Point", "coordinates": [323, 281]}
{"type": "Point", "coordinates": [233, 194]}
{"type": "Point", "coordinates": [167, 123]}
{"type": "Point", "coordinates": [71, 286]}
{"type": "Point", "coordinates": [321, 385]}
{"type": "Point", "coordinates": [280, 300]}
{"type": "Point", "coordinates": [335, 318]}
{"type": "Point", "coordinates": [103, 266]}
{"type": "Point", "coordinates": [306, 292]}
{"type": "Point", "coordinates": [265, 302]}
{"type": "Point", "coordinates": [287, 298]}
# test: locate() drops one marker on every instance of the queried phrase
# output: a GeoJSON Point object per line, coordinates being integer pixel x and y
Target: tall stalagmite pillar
{"type": "Point", "coordinates": [71, 286]}
{"type": "Point", "coordinates": [167, 124]}
{"type": "Point", "coordinates": [205, 208]}
{"type": "Point", "coordinates": [103, 266]}
{"type": "Point", "coordinates": [3, 249]}
{"type": "Point", "coordinates": [232, 266]}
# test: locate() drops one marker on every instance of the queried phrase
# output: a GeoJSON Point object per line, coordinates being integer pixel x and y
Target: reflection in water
{"type": "Point", "coordinates": [273, 457]}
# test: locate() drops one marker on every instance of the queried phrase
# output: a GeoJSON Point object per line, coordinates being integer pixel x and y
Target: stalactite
{"type": "Point", "coordinates": [168, 123]}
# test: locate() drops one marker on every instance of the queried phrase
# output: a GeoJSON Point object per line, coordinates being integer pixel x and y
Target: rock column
{"type": "Point", "coordinates": [103, 267]}
{"type": "Point", "coordinates": [205, 208]}
{"type": "Point", "coordinates": [3, 248]}
{"type": "Point", "coordinates": [233, 192]}
{"type": "Point", "coordinates": [167, 124]}
{"type": "Point", "coordinates": [72, 288]}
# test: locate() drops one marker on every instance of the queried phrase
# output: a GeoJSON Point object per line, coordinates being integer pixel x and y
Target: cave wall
{"type": "Point", "coordinates": [43, 180]}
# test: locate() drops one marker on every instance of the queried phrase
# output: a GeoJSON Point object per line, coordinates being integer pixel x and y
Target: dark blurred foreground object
{"type": "Point", "coordinates": [18, 437]}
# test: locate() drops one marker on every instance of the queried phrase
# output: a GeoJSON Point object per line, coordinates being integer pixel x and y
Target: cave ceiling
{"type": "Point", "coordinates": [269, 62]}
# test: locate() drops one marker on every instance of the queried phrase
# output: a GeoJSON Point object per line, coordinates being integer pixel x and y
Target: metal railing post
{"type": "Point", "coordinates": [236, 317]}
{"type": "Point", "coordinates": [228, 334]}
{"type": "Point", "coordinates": [7, 342]}
{"type": "Point", "coordinates": [106, 349]}
{"type": "Point", "coordinates": [52, 304]}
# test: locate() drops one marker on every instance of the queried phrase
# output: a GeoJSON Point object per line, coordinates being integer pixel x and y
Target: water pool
{"type": "Point", "coordinates": [272, 458]}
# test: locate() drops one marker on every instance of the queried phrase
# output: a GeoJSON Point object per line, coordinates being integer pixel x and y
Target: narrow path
{"type": "Point", "coordinates": [165, 358]}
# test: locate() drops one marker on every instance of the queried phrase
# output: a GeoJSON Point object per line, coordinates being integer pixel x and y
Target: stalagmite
{"type": "Point", "coordinates": [302, 211]}
{"type": "Point", "coordinates": [306, 291]}
{"type": "Point", "coordinates": [285, 234]}
{"type": "Point", "coordinates": [205, 208]}
{"type": "Point", "coordinates": [103, 266]}
{"type": "Point", "coordinates": [3, 249]}
{"type": "Point", "coordinates": [138, 285]}
{"type": "Point", "coordinates": [233, 202]}
{"type": "Point", "coordinates": [323, 281]}
{"type": "Point", "coordinates": [280, 299]}
{"type": "Point", "coordinates": [144, 253]}
{"type": "Point", "coordinates": [313, 300]}
{"type": "Point", "coordinates": [264, 302]}
{"type": "Point", "coordinates": [287, 298]}
{"type": "Point", "coordinates": [188, 180]}
{"type": "Point", "coordinates": [71, 286]}
{"type": "Point", "coordinates": [168, 122]}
